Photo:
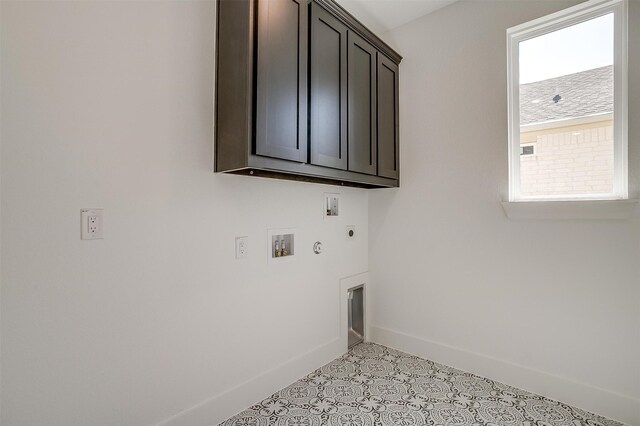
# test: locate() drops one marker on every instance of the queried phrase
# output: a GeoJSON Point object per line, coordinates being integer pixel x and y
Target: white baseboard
{"type": "Point", "coordinates": [600, 401]}
{"type": "Point", "coordinates": [229, 403]}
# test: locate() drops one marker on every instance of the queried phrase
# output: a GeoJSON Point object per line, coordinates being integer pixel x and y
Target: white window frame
{"type": "Point", "coordinates": [556, 21]}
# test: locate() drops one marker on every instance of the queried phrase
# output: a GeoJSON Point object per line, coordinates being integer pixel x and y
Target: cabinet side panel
{"type": "Point", "coordinates": [387, 118]}
{"type": "Point", "coordinates": [234, 91]}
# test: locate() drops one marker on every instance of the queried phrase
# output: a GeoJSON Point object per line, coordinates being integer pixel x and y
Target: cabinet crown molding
{"type": "Point", "coordinates": [355, 25]}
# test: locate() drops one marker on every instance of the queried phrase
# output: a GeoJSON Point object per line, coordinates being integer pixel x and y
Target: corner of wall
{"type": "Point", "coordinates": [231, 402]}
{"type": "Point", "coordinates": [591, 398]}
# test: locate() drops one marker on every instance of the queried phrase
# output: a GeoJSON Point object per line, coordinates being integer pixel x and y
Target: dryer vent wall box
{"type": "Point", "coordinates": [331, 206]}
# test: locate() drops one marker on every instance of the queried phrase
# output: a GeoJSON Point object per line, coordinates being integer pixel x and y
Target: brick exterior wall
{"type": "Point", "coordinates": [568, 161]}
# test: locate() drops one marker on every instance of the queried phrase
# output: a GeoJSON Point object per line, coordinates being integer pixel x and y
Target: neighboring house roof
{"type": "Point", "coordinates": [581, 94]}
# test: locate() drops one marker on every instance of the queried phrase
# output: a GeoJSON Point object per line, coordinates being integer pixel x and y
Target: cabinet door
{"type": "Point", "coordinates": [281, 93]}
{"type": "Point", "coordinates": [387, 117]}
{"type": "Point", "coordinates": [362, 104]}
{"type": "Point", "coordinates": [328, 90]}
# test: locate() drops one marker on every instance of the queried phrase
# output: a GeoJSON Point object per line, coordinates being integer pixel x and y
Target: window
{"type": "Point", "coordinates": [527, 149]}
{"type": "Point", "coordinates": [568, 105]}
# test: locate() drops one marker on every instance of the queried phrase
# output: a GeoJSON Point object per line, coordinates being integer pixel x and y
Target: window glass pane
{"type": "Point", "coordinates": [566, 110]}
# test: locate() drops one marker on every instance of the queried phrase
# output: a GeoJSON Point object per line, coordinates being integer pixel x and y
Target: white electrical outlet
{"type": "Point", "coordinates": [91, 224]}
{"type": "Point", "coordinates": [242, 247]}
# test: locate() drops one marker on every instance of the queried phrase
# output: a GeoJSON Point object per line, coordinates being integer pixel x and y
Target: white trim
{"type": "Point", "coordinates": [570, 209]}
{"type": "Point", "coordinates": [621, 110]}
{"type": "Point", "coordinates": [601, 401]}
{"type": "Point", "coordinates": [570, 197]}
{"type": "Point", "coordinates": [224, 405]}
{"type": "Point", "coordinates": [562, 19]}
{"type": "Point", "coordinates": [584, 11]}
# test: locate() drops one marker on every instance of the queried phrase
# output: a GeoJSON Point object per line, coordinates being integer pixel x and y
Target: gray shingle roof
{"type": "Point", "coordinates": [582, 94]}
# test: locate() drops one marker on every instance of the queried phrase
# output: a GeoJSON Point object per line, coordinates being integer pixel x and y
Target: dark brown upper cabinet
{"type": "Point", "coordinates": [387, 118]}
{"type": "Point", "coordinates": [281, 109]}
{"type": "Point", "coordinates": [362, 105]}
{"type": "Point", "coordinates": [328, 90]}
{"type": "Point", "coordinates": [304, 92]}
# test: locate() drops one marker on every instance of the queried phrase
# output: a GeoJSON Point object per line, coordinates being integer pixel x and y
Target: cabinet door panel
{"type": "Point", "coordinates": [328, 90]}
{"type": "Point", "coordinates": [387, 117]}
{"type": "Point", "coordinates": [362, 104]}
{"type": "Point", "coordinates": [281, 114]}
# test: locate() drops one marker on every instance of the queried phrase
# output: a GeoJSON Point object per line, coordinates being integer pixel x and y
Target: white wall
{"type": "Point", "coordinates": [548, 305]}
{"type": "Point", "coordinates": [109, 104]}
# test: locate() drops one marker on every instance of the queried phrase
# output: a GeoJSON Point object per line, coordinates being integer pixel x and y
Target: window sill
{"type": "Point", "coordinates": [568, 210]}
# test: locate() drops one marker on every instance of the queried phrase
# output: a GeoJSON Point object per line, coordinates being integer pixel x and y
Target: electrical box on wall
{"type": "Point", "coordinates": [350, 232]}
{"type": "Point", "coordinates": [242, 247]}
{"type": "Point", "coordinates": [331, 207]}
{"type": "Point", "coordinates": [91, 224]}
{"type": "Point", "coordinates": [282, 245]}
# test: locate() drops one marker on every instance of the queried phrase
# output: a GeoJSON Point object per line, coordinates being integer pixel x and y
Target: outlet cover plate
{"type": "Point", "coordinates": [242, 247]}
{"type": "Point", "coordinates": [91, 224]}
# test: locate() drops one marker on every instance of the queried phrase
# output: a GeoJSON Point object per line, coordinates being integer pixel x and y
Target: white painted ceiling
{"type": "Point", "coordinates": [381, 16]}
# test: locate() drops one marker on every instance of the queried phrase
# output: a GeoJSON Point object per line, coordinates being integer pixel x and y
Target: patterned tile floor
{"type": "Point", "coordinates": [372, 385]}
